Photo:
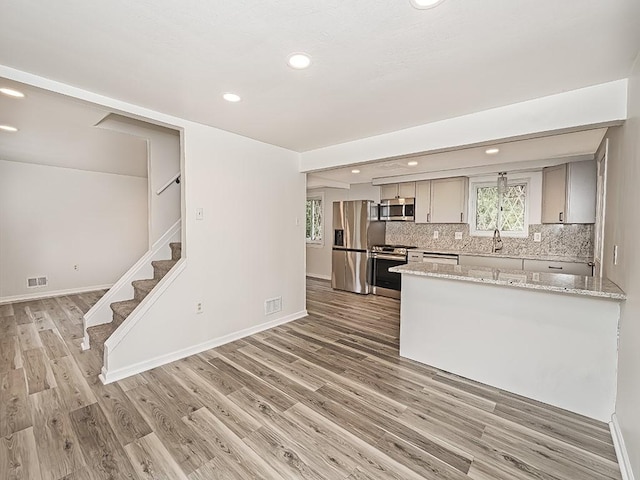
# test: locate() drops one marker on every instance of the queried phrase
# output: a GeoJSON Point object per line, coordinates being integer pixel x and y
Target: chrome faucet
{"type": "Point", "coordinates": [497, 241]}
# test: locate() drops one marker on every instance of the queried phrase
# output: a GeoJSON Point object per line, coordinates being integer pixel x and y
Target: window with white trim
{"type": "Point", "coordinates": [314, 220]}
{"type": "Point", "coordinates": [506, 211]}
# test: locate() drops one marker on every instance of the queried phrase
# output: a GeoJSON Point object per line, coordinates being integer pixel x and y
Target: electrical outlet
{"type": "Point", "coordinates": [458, 235]}
{"type": "Point", "coordinates": [76, 267]}
{"type": "Point", "coordinates": [435, 234]}
{"type": "Point", "coordinates": [535, 277]}
{"type": "Point", "coordinates": [199, 307]}
{"type": "Point", "coordinates": [200, 213]}
{"type": "Point", "coordinates": [537, 237]}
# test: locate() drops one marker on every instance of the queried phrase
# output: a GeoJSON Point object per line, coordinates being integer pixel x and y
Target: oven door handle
{"type": "Point", "coordinates": [389, 257]}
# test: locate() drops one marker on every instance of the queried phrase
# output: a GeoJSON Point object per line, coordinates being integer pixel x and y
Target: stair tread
{"type": "Point", "coordinates": [164, 263]}
{"type": "Point", "coordinates": [146, 284]}
{"type": "Point", "coordinates": [125, 307]}
{"type": "Point", "coordinates": [99, 334]}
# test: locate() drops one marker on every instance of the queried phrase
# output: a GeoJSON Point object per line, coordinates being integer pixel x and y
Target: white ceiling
{"type": "Point", "coordinates": [513, 156]}
{"type": "Point", "coordinates": [58, 131]}
{"type": "Point", "coordinates": [378, 65]}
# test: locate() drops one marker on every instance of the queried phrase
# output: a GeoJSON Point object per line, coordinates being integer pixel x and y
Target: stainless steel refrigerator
{"type": "Point", "coordinates": [355, 230]}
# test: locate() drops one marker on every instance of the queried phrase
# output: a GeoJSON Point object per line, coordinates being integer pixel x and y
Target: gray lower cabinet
{"type": "Point", "coordinates": [491, 262]}
{"type": "Point", "coordinates": [544, 266]}
{"type": "Point", "coordinates": [572, 268]}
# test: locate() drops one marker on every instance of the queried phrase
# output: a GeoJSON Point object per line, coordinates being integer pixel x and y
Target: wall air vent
{"type": "Point", "coordinates": [272, 305]}
{"type": "Point", "coordinates": [37, 282]}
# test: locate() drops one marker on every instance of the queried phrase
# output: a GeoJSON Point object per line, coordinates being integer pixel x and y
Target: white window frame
{"type": "Point", "coordinates": [475, 183]}
{"type": "Point", "coordinates": [316, 243]}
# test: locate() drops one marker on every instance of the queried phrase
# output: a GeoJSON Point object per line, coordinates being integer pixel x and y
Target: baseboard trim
{"type": "Point", "coordinates": [120, 373]}
{"type": "Point", "coordinates": [319, 275]}
{"type": "Point", "coordinates": [55, 293]}
{"type": "Point", "coordinates": [620, 448]}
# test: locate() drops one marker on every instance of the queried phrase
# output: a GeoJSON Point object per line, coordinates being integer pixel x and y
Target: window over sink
{"type": "Point", "coordinates": [314, 220]}
{"type": "Point", "coordinates": [506, 211]}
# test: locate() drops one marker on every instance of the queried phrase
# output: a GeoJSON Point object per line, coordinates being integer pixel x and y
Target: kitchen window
{"type": "Point", "coordinates": [508, 212]}
{"type": "Point", "coordinates": [314, 220]}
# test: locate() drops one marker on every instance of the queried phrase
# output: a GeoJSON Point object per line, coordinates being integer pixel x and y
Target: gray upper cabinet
{"type": "Point", "coordinates": [388, 191]}
{"type": "Point", "coordinates": [569, 193]}
{"type": "Point", "coordinates": [398, 190]}
{"type": "Point", "coordinates": [449, 200]}
{"type": "Point", "coordinates": [407, 190]}
{"type": "Point", "coordinates": [422, 210]}
{"type": "Point", "coordinates": [441, 201]}
{"type": "Point", "coordinates": [554, 193]}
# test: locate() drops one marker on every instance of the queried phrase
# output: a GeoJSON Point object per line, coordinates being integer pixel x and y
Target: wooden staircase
{"type": "Point", "coordinates": [141, 288]}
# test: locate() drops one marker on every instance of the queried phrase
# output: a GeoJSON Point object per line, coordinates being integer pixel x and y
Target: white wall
{"type": "Point", "coordinates": [53, 218]}
{"type": "Point", "coordinates": [319, 256]}
{"type": "Point", "coordinates": [237, 257]}
{"type": "Point", "coordinates": [623, 229]}
{"type": "Point", "coordinates": [163, 163]}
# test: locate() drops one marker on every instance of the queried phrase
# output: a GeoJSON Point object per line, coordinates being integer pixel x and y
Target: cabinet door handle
{"type": "Point", "coordinates": [461, 215]}
{"type": "Point", "coordinates": [560, 215]}
{"type": "Point", "coordinates": [555, 268]}
{"type": "Point", "coordinates": [428, 218]}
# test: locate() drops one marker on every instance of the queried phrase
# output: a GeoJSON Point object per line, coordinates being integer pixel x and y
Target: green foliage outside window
{"type": "Point", "coordinates": [505, 212]}
{"type": "Point", "coordinates": [314, 220]}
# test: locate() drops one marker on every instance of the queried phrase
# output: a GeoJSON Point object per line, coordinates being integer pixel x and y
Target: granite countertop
{"type": "Point", "coordinates": [550, 258]}
{"type": "Point", "coordinates": [551, 282]}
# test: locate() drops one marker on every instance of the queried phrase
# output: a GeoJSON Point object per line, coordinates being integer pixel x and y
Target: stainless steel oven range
{"type": "Point", "coordinates": [383, 257]}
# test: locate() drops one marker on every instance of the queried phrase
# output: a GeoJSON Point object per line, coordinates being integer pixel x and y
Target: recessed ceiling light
{"type": "Point", "coordinates": [11, 92]}
{"type": "Point", "coordinates": [424, 4]}
{"type": "Point", "coordinates": [8, 128]}
{"type": "Point", "coordinates": [299, 61]}
{"type": "Point", "coordinates": [231, 97]}
{"type": "Point", "coordinates": [412, 163]}
{"type": "Point", "coordinates": [355, 170]}
{"type": "Point", "coordinates": [492, 151]}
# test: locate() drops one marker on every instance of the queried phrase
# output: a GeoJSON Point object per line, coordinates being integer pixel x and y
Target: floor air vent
{"type": "Point", "coordinates": [37, 282]}
{"type": "Point", "coordinates": [272, 305]}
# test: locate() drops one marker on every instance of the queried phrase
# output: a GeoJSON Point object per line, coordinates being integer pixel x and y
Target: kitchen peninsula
{"type": "Point", "coordinates": [550, 337]}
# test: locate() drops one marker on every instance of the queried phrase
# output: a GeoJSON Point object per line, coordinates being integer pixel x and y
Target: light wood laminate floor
{"type": "Point", "coordinates": [324, 397]}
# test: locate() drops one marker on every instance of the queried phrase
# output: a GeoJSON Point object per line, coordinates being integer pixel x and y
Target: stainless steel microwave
{"type": "Point", "coordinates": [397, 209]}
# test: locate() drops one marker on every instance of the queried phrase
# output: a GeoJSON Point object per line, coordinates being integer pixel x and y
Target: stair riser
{"type": "Point", "coordinates": [160, 272]}
{"type": "Point", "coordinates": [96, 344]}
{"type": "Point", "coordinates": [118, 319]}
{"type": "Point", "coordinates": [176, 251]}
{"type": "Point", "coordinates": [139, 293]}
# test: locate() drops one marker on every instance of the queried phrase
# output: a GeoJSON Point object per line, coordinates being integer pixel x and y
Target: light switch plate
{"type": "Point", "coordinates": [537, 237]}
{"type": "Point", "coordinates": [200, 213]}
{"type": "Point", "coordinates": [458, 235]}
{"type": "Point", "coordinates": [435, 234]}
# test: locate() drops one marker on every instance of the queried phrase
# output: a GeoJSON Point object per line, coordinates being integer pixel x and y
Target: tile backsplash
{"type": "Point", "coordinates": [562, 240]}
